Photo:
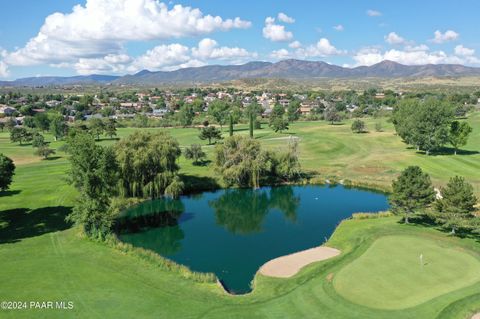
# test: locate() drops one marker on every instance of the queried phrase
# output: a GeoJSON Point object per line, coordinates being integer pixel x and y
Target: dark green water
{"type": "Point", "coordinates": [233, 232]}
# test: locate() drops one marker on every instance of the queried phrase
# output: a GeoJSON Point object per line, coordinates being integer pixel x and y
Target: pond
{"type": "Point", "coordinates": [233, 232]}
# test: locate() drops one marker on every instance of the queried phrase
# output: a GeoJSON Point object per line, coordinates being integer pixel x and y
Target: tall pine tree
{"type": "Point", "coordinates": [455, 208]}
{"type": "Point", "coordinates": [412, 192]}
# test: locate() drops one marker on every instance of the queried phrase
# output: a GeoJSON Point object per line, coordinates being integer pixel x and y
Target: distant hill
{"type": "Point", "coordinates": [287, 69]}
{"type": "Point", "coordinates": [61, 80]}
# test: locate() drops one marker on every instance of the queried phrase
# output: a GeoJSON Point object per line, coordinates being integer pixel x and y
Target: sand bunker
{"type": "Point", "coordinates": [476, 316]}
{"type": "Point", "coordinates": [289, 265]}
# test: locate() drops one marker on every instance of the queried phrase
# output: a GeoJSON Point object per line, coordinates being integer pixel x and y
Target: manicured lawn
{"type": "Point", "coordinates": [332, 151]}
{"type": "Point", "coordinates": [105, 283]}
{"type": "Point", "coordinates": [390, 274]}
{"type": "Point", "coordinates": [43, 258]}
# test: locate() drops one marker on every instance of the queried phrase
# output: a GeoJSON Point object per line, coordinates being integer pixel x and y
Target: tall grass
{"type": "Point", "coordinates": [359, 216]}
{"type": "Point", "coordinates": [158, 260]}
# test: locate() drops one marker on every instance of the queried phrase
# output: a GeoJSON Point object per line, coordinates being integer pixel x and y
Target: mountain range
{"type": "Point", "coordinates": [286, 69]}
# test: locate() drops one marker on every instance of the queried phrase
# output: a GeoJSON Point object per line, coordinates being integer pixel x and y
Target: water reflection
{"type": "Point", "coordinates": [154, 206]}
{"type": "Point", "coordinates": [242, 211]}
{"type": "Point", "coordinates": [154, 225]}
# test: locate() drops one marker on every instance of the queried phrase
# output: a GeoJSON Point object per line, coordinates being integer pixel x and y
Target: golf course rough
{"type": "Point", "coordinates": [398, 272]}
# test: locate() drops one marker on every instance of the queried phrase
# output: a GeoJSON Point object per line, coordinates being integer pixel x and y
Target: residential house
{"type": "Point", "coordinates": [284, 102]}
{"type": "Point", "coordinates": [306, 107]}
{"type": "Point", "coordinates": [7, 110]}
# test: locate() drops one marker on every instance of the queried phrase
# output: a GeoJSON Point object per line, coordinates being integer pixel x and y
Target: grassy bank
{"type": "Point", "coordinates": [107, 283]}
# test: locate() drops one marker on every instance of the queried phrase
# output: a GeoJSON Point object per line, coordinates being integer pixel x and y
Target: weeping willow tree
{"type": "Point", "coordinates": [147, 163]}
{"type": "Point", "coordinates": [287, 166]}
{"type": "Point", "coordinates": [175, 188]}
{"type": "Point", "coordinates": [241, 161]}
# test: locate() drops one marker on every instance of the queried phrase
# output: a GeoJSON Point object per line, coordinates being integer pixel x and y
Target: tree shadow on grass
{"type": "Point", "coordinates": [107, 139]}
{"type": "Point", "coordinates": [20, 223]}
{"type": "Point", "coordinates": [202, 163]}
{"type": "Point", "coordinates": [242, 129]}
{"type": "Point", "coordinates": [52, 158]}
{"type": "Point", "coordinates": [422, 220]}
{"type": "Point", "coordinates": [428, 221]}
{"type": "Point", "coordinates": [9, 193]}
{"type": "Point", "coordinates": [449, 151]}
{"type": "Point", "coordinates": [196, 184]}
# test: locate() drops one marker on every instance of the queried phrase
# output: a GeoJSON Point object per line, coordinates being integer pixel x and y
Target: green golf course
{"type": "Point", "coordinates": [378, 274]}
{"type": "Point", "coordinates": [397, 278]}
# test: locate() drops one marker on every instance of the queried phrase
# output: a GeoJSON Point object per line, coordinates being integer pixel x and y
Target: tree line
{"type": "Point", "coordinates": [452, 206]}
{"type": "Point", "coordinates": [31, 133]}
{"type": "Point", "coordinates": [142, 165]}
{"type": "Point", "coordinates": [430, 124]}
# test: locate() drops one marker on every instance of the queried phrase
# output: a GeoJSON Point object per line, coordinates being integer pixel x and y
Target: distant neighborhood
{"type": "Point", "coordinates": [187, 107]}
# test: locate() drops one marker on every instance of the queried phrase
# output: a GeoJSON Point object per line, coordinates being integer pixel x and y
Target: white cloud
{"type": "Point", "coordinates": [463, 51]}
{"type": "Point", "coordinates": [467, 54]}
{"type": "Point", "coordinates": [161, 58]}
{"type": "Point", "coordinates": [111, 63]}
{"type": "Point", "coordinates": [421, 47]}
{"type": "Point", "coordinates": [368, 56]}
{"type": "Point", "coordinates": [4, 70]}
{"type": "Point", "coordinates": [208, 49]}
{"type": "Point", "coordinates": [275, 32]}
{"type": "Point", "coordinates": [420, 57]}
{"type": "Point", "coordinates": [284, 18]}
{"type": "Point", "coordinates": [440, 37]}
{"type": "Point", "coordinates": [42, 49]}
{"type": "Point", "coordinates": [295, 45]}
{"type": "Point", "coordinates": [339, 27]}
{"type": "Point", "coordinates": [414, 56]}
{"type": "Point", "coordinates": [189, 64]}
{"type": "Point", "coordinates": [322, 48]}
{"type": "Point", "coordinates": [158, 58]}
{"type": "Point", "coordinates": [96, 66]}
{"type": "Point", "coordinates": [101, 27]}
{"type": "Point", "coordinates": [373, 13]}
{"type": "Point", "coordinates": [117, 58]}
{"type": "Point", "coordinates": [393, 38]}
{"type": "Point", "coordinates": [280, 54]}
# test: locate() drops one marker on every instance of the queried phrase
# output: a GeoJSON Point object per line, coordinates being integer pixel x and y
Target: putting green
{"type": "Point", "coordinates": [389, 275]}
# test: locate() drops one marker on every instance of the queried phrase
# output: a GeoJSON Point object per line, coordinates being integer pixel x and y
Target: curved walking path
{"type": "Point", "coordinates": [289, 265]}
{"type": "Point", "coordinates": [476, 316]}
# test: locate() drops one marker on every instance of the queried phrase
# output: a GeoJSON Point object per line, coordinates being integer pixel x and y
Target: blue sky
{"type": "Point", "coordinates": [50, 37]}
